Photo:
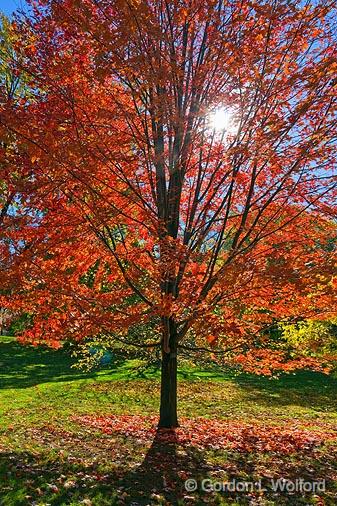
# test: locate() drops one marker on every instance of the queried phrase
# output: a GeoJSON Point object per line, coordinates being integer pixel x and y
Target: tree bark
{"type": "Point", "coordinates": [168, 395]}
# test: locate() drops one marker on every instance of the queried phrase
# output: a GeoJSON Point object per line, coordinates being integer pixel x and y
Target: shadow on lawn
{"type": "Point", "coordinates": [23, 366]}
{"type": "Point", "coordinates": [28, 479]}
{"type": "Point", "coordinates": [305, 388]}
{"type": "Point", "coordinates": [164, 470]}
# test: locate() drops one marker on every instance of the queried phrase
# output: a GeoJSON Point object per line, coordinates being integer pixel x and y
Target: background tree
{"type": "Point", "coordinates": [183, 152]}
{"type": "Point", "coordinates": [12, 89]}
{"type": "Point", "coordinates": [12, 171]}
{"type": "Point", "coordinates": [312, 335]}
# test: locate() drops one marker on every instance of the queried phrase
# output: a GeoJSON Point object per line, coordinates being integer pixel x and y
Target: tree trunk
{"type": "Point", "coordinates": [168, 394]}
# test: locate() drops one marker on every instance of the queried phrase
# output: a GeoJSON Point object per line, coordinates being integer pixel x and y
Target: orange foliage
{"type": "Point", "coordinates": [131, 209]}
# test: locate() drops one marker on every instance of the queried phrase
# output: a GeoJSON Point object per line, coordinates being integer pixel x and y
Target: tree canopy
{"type": "Point", "coordinates": [139, 206]}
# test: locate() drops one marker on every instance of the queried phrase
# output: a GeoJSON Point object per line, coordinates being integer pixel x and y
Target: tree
{"type": "Point", "coordinates": [183, 154]}
{"type": "Point", "coordinates": [317, 336]}
{"type": "Point", "coordinates": [12, 171]}
{"type": "Point", "coordinates": [12, 88]}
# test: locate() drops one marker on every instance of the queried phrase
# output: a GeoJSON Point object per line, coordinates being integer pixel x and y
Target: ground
{"type": "Point", "coordinates": [71, 438]}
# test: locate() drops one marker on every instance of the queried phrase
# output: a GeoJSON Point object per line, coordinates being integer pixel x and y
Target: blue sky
{"type": "Point", "coordinates": [8, 6]}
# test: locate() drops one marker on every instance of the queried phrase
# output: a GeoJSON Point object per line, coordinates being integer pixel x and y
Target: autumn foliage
{"type": "Point", "coordinates": [213, 434]}
{"type": "Point", "coordinates": [132, 208]}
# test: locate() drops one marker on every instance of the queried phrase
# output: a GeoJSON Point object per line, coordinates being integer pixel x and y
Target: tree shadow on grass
{"type": "Point", "coordinates": [23, 366]}
{"type": "Point", "coordinates": [305, 388]}
{"type": "Point", "coordinates": [49, 478]}
{"type": "Point", "coordinates": [164, 470]}
{"type": "Point", "coordinates": [27, 479]}
{"type": "Point", "coordinates": [304, 469]}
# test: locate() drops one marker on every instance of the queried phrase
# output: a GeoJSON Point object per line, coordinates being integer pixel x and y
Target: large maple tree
{"type": "Point", "coordinates": [179, 162]}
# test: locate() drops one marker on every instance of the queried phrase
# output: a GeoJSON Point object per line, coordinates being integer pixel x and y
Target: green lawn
{"type": "Point", "coordinates": [47, 457]}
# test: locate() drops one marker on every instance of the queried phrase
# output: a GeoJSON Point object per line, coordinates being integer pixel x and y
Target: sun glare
{"type": "Point", "coordinates": [221, 120]}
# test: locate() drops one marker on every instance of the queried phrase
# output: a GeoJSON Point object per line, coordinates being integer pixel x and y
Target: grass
{"type": "Point", "coordinates": [48, 458]}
